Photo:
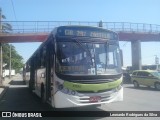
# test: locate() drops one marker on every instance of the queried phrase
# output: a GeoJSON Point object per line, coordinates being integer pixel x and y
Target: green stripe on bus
{"type": "Point", "coordinates": [92, 87]}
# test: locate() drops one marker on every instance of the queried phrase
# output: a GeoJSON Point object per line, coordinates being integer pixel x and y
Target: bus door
{"type": "Point", "coordinates": [52, 77]}
{"type": "Point", "coordinates": [49, 73]}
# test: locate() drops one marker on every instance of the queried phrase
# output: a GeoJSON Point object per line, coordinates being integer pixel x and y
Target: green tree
{"type": "Point", "coordinates": [16, 59]}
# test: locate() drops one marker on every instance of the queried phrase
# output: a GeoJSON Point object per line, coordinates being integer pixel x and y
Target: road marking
{"type": "Point", "coordinates": [17, 86]}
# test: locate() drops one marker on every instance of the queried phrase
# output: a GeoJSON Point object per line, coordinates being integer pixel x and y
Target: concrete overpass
{"type": "Point", "coordinates": [37, 31]}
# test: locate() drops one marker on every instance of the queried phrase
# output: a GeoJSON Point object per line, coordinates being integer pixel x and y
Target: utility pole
{"type": "Point", "coordinates": [1, 81]}
{"type": "Point", "coordinates": [10, 68]}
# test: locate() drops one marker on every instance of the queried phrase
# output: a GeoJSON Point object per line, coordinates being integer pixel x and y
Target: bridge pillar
{"type": "Point", "coordinates": [136, 55]}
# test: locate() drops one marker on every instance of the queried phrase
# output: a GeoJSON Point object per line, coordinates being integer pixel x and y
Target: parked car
{"type": "Point", "coordinates": [146, 77]}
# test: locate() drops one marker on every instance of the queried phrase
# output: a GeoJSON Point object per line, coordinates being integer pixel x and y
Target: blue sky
{"type": "Point", "coordinates": [135, 11]}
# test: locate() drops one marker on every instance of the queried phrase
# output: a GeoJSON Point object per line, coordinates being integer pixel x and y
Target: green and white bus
{"type": "Point", "coordinates": [76, 66]}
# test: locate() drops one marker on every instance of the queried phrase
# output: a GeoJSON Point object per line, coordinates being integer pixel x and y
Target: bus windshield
{"type": "Point", "coordinates": [86, 58]}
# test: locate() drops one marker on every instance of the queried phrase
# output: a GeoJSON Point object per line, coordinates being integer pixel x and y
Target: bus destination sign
{"type": "Point", "coordinates": [87, 33]}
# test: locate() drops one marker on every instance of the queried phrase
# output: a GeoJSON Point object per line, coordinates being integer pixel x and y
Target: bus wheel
{"type": "Point", "coordinates": [136, 85]}
{"type": "Point", "coordinates": [42, 94]}
{"type": "Point", "coordinates": [157, 86]}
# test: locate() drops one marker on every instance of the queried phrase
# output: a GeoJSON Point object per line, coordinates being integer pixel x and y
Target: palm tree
{"type": "Point", "coordinates": [4, 27]}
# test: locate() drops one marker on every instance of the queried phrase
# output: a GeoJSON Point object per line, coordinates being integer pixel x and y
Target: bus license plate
{"type": "Point", "coordinates": [95, 98]}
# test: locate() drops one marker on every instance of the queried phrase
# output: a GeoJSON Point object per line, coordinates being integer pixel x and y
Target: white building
{"type": "Point", "coordinates": [6, 73]}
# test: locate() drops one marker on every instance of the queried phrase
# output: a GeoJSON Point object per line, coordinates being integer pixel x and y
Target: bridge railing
{"type": "Point", "coordinates": [132, 27]}
{"type": "Point", "coordinates": [47, 26]}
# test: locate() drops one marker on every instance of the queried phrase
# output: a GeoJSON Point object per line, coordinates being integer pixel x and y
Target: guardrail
{"type": "Point", "coordinates": [47, 26]}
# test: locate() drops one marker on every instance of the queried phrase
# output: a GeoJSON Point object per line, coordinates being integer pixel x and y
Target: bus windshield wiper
{"type": "Point", "coordinates": [85, 49]}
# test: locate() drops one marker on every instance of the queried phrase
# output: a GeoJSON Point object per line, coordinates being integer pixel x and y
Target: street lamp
{"type": "Point", "coordinates": [1, 82]}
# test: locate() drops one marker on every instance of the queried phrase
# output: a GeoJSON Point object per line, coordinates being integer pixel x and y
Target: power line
{"type": "Point", "coordinates": [14, 12]}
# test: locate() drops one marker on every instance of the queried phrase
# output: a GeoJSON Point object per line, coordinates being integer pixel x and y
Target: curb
{"type": "Point", "coordinates": [4, 91]}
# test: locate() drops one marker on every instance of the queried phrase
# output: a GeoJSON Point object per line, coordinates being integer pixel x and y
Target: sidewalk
{"type": "Point", "coordinates": [5, 86]}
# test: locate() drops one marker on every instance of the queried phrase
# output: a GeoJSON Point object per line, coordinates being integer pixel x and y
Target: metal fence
{"type": "Point", "coordinates": [47, 26]}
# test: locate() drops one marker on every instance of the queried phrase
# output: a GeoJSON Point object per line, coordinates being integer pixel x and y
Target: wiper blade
{"type": "Point", "coordinates": [86, 50]}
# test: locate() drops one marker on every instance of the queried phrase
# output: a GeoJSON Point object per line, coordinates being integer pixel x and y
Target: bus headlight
{"type": "Point", "coordinates": [73, 92]}
{"type": "Point", "coordinates": [61, 88]}
{"type": "Point", "coordinates": [69, 92]}
{"type": "Point", "coordinates": [119, 87]}
{"type": "Point", "coordinates": [66, 90]}
{"type": "Point", "coordinates": [59, 85]}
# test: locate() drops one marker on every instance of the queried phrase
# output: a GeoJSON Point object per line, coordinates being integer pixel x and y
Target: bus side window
{"type": "Point", "coordinates": [43, 56]}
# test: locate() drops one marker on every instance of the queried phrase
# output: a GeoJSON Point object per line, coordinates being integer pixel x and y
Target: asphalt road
{"type": "Point", "coordinates": [18, 98]}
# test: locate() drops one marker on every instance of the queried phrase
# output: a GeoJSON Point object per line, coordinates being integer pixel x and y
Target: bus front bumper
{"type": "Point", "coordinates": [62, 100]}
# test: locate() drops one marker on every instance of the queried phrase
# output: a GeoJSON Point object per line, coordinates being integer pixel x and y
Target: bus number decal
{"type": "Point", "coordinates": [76, 86]}
{"type": "Point", "coordinates": [81, 33]}
{"type": "Point", "coordinates": [69, 32]}
{"type": "Point", "coordinates": [98, 34]}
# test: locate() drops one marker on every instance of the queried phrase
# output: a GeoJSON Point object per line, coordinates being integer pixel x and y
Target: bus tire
{"type": "Point", "coordinates": [135, 83]}
{"type": "Point", "coordinates": [157, 85]}
{"type": "Point", "coordinates": [42, 93]}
